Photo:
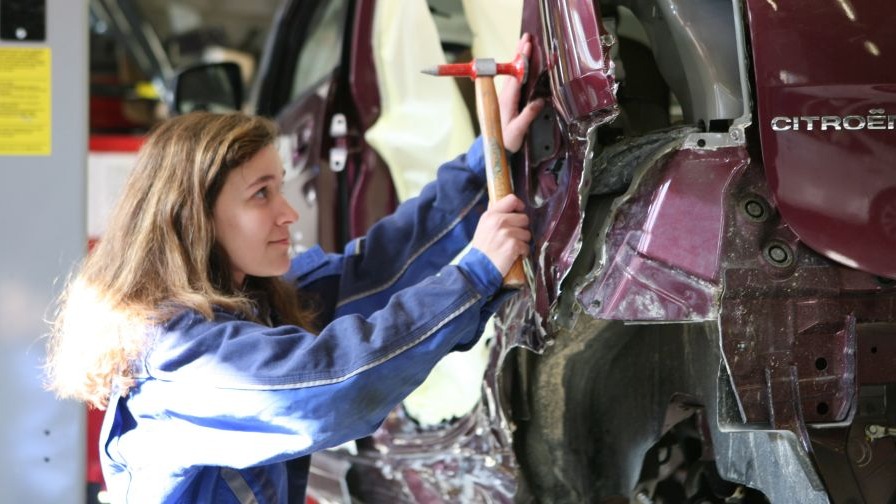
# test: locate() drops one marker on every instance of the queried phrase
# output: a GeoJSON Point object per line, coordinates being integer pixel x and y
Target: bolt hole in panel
{"type": "Point", "coordinates": [827, 117]}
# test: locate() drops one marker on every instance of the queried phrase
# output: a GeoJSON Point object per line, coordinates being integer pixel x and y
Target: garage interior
{"type": "Point", "coordinates": [709, 307]}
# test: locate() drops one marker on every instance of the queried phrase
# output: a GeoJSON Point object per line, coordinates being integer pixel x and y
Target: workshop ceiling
{"type": "Point", "coordinates": [244, 23]}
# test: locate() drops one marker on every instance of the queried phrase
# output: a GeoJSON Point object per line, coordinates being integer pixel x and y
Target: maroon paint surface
{"type": "Point", "coordinates": [569, 69]}
{"type": "Point", "coordinates": [835, 188]}
{"type": "Point", "coordinates": [663, 247]}
{"type": "Point", "coordinates": [575, 56]}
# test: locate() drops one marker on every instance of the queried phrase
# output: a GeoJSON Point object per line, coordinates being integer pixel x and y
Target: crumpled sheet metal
{"type": "Point", "coordinates": [469, 460]}
{"type": "Point", "coordinates": [556, 223]}
{"type": "Point", "coordinates": [556, 228]}
{"type": "Point", "coordinates": [658, 255]}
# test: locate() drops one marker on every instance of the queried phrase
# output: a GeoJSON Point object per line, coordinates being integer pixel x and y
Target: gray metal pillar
{"type": "Point", "coordinates": [42, 233]}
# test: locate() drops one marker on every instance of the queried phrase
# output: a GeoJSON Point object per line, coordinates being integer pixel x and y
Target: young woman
{"type": "Point", "coordinates": [221, 363]}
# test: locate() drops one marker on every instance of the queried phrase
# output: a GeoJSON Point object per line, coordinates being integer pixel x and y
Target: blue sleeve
{"type": "Point", "coordinates": [234, 393]}
{"type": "Point", "coordinates": [419, 238]}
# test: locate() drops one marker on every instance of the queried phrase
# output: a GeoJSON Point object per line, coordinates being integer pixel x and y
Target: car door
{"type": "Point", "coordinates": [322, 92]}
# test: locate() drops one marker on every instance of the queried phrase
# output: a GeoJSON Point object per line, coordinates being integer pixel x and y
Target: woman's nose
{"type": "Point", "coordinates": [287, 214]}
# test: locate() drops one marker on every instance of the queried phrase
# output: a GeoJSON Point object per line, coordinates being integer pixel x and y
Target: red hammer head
{"type": "Point", "coordinates": [483, 67]}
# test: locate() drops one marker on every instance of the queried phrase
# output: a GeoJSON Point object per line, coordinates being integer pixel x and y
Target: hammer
{"type": "Point", "coordinates": [483, 72]}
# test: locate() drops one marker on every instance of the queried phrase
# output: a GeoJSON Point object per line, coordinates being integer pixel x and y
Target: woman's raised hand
{"type": "Point", "coordinates": [503, 232]}
{"type": "Point", "coordinates": [514, 122]}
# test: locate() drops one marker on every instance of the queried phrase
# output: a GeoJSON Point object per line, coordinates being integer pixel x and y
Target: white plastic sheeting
{"type": "Point", "coordinates": [424, 122]}
{"type": "Point", "coordinates": [496, 29]}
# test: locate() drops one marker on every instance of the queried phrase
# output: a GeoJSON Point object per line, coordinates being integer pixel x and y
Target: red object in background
{"type": "Point", "coordinates": [108, 100]}
{"type": "Point", "coordinates": [106, 114]}
{"type": "Point", "coordinates": [94, 423]}
{"type": "Point", "coordinates": [115, 143]}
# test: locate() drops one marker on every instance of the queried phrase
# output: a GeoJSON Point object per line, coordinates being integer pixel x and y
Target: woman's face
{"type": "Point", "coordinates": [252, 218]}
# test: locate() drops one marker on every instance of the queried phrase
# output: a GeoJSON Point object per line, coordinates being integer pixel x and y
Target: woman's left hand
{"type": "Point", "coordinates": [515, 123]}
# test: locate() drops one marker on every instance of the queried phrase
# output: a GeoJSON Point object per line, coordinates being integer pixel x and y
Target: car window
{"type": "Point", "coordinates": [322, 50]}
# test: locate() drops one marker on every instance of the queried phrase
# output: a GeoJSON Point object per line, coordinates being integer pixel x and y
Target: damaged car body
{"type": "Point", "coordinates": [711, 309]}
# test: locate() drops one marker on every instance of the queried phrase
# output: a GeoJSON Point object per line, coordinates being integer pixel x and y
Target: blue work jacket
{"type": "Point", "coordinates": [228, 410]}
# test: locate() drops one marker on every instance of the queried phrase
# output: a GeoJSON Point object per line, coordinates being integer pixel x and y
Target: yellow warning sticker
{"type": "Point", "coordinates": [25, 101]}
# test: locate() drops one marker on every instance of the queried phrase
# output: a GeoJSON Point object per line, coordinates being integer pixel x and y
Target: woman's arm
{"type": "Point", "coordinates": [230, 392]}
{"type": "Point", "coordinates": [424, 234]}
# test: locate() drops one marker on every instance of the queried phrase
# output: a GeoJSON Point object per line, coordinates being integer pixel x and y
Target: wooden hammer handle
{"type": "Point", "coordinates": [496, 169]}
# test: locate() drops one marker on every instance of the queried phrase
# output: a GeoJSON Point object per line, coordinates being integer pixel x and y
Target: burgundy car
{"type": "Point", "coordinates": [711, 311]}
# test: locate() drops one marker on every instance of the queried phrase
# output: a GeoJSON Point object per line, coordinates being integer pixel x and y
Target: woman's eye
{"type": "Point", "coordinates": [261, 193]}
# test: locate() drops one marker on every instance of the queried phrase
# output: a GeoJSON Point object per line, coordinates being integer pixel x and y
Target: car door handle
{"type": "Point", "coordinates": [339, 134]}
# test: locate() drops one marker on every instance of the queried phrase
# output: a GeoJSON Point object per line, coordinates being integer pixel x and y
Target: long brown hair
{"type": "Point", "coordinates": [159, 256]}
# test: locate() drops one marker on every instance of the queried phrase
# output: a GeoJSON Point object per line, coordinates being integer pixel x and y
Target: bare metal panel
{"type": "Point", "coordinates": [42, 233]}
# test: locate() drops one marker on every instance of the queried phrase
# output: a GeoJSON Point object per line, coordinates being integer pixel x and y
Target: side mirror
{"type": "Point", "coordinates": [215, 87]}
